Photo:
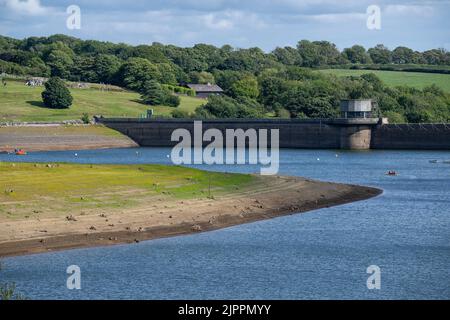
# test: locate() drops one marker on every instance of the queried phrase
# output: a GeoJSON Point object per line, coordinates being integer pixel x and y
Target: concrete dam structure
{"type": "Point", "coordinates": [357, 129]}
{"type": "Point", "coordinates": [351, 134]}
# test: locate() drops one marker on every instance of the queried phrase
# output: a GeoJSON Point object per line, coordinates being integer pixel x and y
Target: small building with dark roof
{"type": "Point", "coordinates": [205, 90]}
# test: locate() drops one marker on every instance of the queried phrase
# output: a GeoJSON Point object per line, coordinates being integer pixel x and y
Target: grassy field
{"type": "Point", "coordinates": [28, 189]}
{"type": "Point", "coordinates": [395, 78]}
{"type": "Point", "coordinates": [21, 103]}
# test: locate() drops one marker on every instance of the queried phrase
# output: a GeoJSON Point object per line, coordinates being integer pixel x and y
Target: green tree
{"type": "Point", "coordinates": [271, 90]}
{"type": "Point", "coordinates": [202, 77]}
{"type": "Point", "coordinates": [60, 63]}
{"type": "Point", "coordinates": [167, 73]}
{"type": "Point", "coordinates": [394, 117]}
{"type": "Point", "coordinates": [418, 116]}
{"type": "Point", "coordinates": [312, 99]}
{"type": "Point", "coordinates": [106, 67]}
{"type": "Point", "coordinates": [153, 53]}
{"type": "Point", "coordinates": [402, 55]}
{"type": "Point", "coordinates": [328, 51]}
{"type": "Point", "coordinates": [380, 54]}
{"type": "Point", "coordinates": [137, 71]}
{"type": "Point", "coordinates": [309, 53]}
{"type": "Point", "coordinates": [246, 87]}
{"type": "Point", "coordinates": [288, 56]}
{"type": "Point", "coordinates": [356, 54]}
{"type": "Point", "coordinates": [226, 78]}
{"type": "Point", "coordinates": [154, 94]}
{"type": "Point", "coordinates": [56, 95]}
{"type": "Point", "coordinates": [227, 107]}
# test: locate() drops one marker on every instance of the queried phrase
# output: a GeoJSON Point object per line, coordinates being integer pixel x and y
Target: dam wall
{"type": "Point", "coordinates": [293, 134]}
{"type": "Point", "coordinates": [356, 134]}
{"type": "Point", "coordinates": [411, 136]}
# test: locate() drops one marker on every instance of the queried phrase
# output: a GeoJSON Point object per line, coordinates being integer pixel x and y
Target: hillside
{"type": "Point", "coordinates": [19, 102]}
{"type": "Point", "coordinates": [417, 80]}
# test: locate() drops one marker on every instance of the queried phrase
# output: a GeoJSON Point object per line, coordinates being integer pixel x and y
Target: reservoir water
{"type": "Point", "coordinates": [321, 254]}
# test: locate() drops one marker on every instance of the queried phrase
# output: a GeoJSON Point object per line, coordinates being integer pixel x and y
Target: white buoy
{"type": "Point", "coordinates": [76, 154]}
{"type": "Point", "coordinates": [318, 159]}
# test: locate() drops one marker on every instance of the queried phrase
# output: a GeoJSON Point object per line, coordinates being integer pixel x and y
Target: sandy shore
{"type": "Point", "coordinates": [273, 197]}
{"type": "Point", "coordinates": [61, 137]}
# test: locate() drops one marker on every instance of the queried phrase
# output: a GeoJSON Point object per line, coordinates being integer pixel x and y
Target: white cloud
{"type": "Point", "coordinates": [242, 23]}
{"type": "Point", "coordinates": [337, 17]}
{"type": "Point", "coordinates": [27, 7]}
{"type": "Point", "coordinates": [417, 10]}
{"type": "Point", "coordinates": [213, 22]}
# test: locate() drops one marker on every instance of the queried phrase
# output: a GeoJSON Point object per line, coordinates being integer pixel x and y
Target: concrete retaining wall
{"type": "Point", "coordinates": [311, 134]}
{"type": "Point", "coordinates": [293, 134]}
{"type": "Point", "coordinates": [411, 136]}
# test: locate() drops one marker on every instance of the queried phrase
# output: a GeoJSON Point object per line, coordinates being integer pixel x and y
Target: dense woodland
{"type": "Point", "coordinates": [282, 82]}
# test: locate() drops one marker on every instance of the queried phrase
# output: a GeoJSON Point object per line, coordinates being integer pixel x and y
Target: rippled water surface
{"type": "Point", "coordinates": [321, 254]}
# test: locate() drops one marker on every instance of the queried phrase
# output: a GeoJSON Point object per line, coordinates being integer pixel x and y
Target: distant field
{"type": "Point", "coordinates": [21, 103]}
{"type": "Point", "coordinates": [396, 78]}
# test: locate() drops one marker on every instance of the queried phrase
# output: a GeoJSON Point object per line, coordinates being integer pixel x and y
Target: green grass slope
{"type": "Point", "coordinates": [397, 78]}
{"type": "Point", "coordinates": [19, 102]}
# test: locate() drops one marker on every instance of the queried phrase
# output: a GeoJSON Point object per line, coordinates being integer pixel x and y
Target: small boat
{"type": "Point", "coordinates": [392, 173]}
{"type": "Point", "coordinates": [433, 161]}
{"type": "Point", "coordinates": [21, 152]}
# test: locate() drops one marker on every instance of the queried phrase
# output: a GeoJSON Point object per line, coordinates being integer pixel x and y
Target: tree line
{"type": "Point", "coordinates": [279, 83]}
{"type": "Point", "coordinates": [96, 61]}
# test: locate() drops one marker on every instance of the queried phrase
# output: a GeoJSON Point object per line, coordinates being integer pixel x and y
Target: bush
{"type": "Point", "coordinates": [394, 117]}
{"type": "Point", "coordinates": [56, 95]}
{"type": "Point", "coordinates": [155, 94]}
{"type": "Point", "coordinates": [85, 118]}
{"type": "Point", "coordinates": [226, 107]}
{"type": "Point", "coordinates": [417, 116]}
{"type": "Point", "coordinates": [179, 90]}
{"type": "Point", "coordinates": [282, 113]}
{"type": "Point", "coordinates": [180, 114]}
{"type": "Point", "coordinates": [171, 100]}
{"type": "Point", "coordinates": [152, 93]}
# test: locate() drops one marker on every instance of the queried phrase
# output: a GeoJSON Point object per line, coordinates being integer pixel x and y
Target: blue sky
{"type": "Point", "coordinates": [267, 24]}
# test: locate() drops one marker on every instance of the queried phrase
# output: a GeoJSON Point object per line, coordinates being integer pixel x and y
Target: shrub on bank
{"type": "Point", "coordinates": [56, 95]}
{"type": "Point", "coordinates": [155, 94]}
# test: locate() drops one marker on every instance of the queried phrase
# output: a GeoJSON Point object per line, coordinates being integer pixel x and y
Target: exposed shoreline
{"type": "Point", "coordinates": [280, 196]}
{"type": "Point", "coordinates": [54, 137]}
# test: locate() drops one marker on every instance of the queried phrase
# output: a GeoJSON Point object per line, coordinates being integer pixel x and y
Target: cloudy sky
{"type": "Point", "coordinates": [267, 24]}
